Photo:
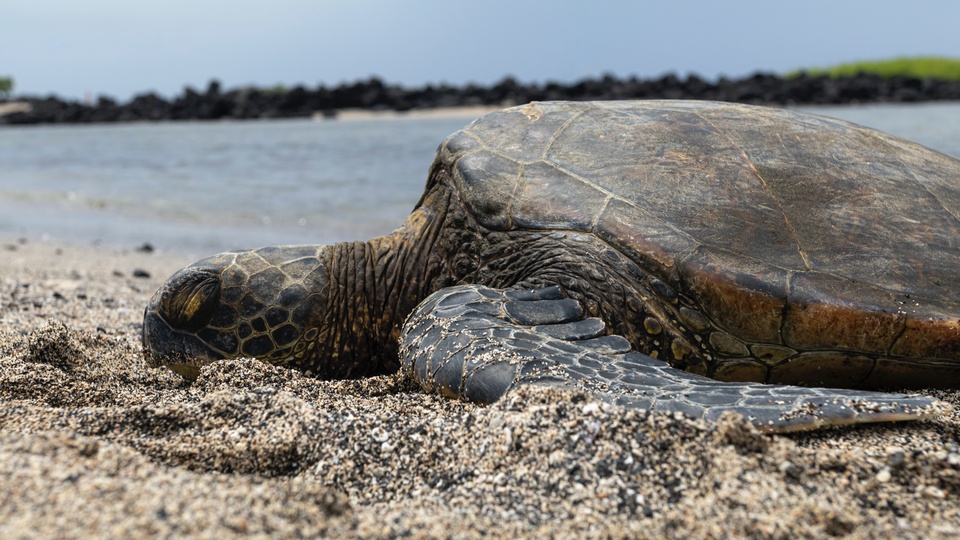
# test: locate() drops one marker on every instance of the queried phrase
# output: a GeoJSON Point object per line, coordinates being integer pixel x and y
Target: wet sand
{"type": "Point", "coordinates": [94, 443]}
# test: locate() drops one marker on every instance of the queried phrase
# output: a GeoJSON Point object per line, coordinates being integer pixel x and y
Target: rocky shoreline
{"type": "Point", "coordinates": [375, 95]}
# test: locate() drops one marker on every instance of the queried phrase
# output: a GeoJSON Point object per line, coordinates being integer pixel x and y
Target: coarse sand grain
{"type": "Point", "coordinates": [93, 443]}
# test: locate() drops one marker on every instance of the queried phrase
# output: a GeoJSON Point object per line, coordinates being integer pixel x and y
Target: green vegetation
{"type": "Point", "coordinates": [277, 89]}
{"type": "Point", "coordinates": [6, 87]}
{"type": "Point", "coordinates": [920, 67]}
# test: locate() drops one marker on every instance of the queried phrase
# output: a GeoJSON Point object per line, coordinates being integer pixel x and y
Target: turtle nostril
{"type": "Point", "coordinates": [190, 298]}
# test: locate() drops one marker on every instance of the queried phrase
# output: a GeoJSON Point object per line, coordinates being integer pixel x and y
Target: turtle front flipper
{"type": "Point", "coordinates": [476, 343]}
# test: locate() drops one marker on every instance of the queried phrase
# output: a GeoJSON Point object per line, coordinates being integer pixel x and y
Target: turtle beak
{"type": "Point", "coordinates": [182, 352]}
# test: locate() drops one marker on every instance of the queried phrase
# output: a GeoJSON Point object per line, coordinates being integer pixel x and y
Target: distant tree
{"type": "Point", "coordinates": [6, 87]}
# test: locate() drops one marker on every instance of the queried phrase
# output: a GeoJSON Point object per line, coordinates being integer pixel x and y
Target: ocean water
{"type": "Point", "coordinates": [209, 187]}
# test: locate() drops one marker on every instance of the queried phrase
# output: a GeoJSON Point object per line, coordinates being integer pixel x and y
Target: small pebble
{"type": "Point", "coordinates": [590, 408]}
{"type": "Point", "coordinates": [895, 456]}
{"type": "Point", "coordinates": [883, 476]}
{"type": "Point", "coordinates": [791, 470]}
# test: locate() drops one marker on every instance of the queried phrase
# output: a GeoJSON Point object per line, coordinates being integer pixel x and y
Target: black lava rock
{"type": "Point", "coordinates": [375, 94]}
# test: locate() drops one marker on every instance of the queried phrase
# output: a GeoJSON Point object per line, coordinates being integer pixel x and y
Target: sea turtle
{"type": "Point", "coordinates": [652, 253]}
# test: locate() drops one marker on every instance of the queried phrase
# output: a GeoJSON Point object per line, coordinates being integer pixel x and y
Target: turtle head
{"type": "Point", "coordinates": [266, 304]}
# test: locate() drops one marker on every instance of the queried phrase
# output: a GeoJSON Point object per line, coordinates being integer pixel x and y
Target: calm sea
{"type": "Point", "coordinates": [208, 187]}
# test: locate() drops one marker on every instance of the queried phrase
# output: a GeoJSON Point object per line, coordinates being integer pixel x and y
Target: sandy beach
{"type": "Point", "coordinates": [466, 112]}
{"type": "Point", "coordinates": [11, 107]}
{"type": "Point", "coordinates": [95, 444]}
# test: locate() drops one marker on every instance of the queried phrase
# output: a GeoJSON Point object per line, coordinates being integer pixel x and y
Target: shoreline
{"type": "Point", "coordinates": [353, 114]}
{"type": "Point", "coordinates": [94, 443]}
{"type": "Point", "coordinates": [372, 96]}
{"type": "Point", "coordinates": [359, 115]}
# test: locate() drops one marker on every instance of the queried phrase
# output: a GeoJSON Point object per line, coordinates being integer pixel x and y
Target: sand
{"type": "Point", "coordinates": [11, 107]}
{"type": "Point", "coordinates": [466, 112]}
{"type": "Point", "coordinates": [95, 444]}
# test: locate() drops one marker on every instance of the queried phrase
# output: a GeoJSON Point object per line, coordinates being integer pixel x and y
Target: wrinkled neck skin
{"type": "Point", "coordinates": [373, 286]}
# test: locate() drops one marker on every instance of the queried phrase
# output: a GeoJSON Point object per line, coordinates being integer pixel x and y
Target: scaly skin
{"type": "Point", "coordinates": [475, 343]}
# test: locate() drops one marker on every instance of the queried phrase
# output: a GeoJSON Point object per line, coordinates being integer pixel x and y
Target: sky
{"type": "Point", "coordinates": [120, 48]}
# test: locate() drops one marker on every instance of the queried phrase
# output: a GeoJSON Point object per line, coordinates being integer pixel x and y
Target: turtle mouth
{"type": "Point", "coordinates": [181, 352]}
{"type": "Point", "coordinates": [188, 372]}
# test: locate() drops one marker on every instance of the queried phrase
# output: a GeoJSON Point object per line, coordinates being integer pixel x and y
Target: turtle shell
{"type": "Point", "coordinates": [785, 228]}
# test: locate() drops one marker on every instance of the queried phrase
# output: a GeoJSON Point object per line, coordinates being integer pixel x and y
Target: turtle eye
{"type": "Point", "coordinates": [190, 299]}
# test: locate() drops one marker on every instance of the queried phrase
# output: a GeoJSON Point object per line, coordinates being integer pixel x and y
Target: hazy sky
{"type": "Point", "coordinates": [124, 47]}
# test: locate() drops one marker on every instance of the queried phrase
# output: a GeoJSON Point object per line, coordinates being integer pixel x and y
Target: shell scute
{"type": "Point", "coordinates": [549, 198]}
